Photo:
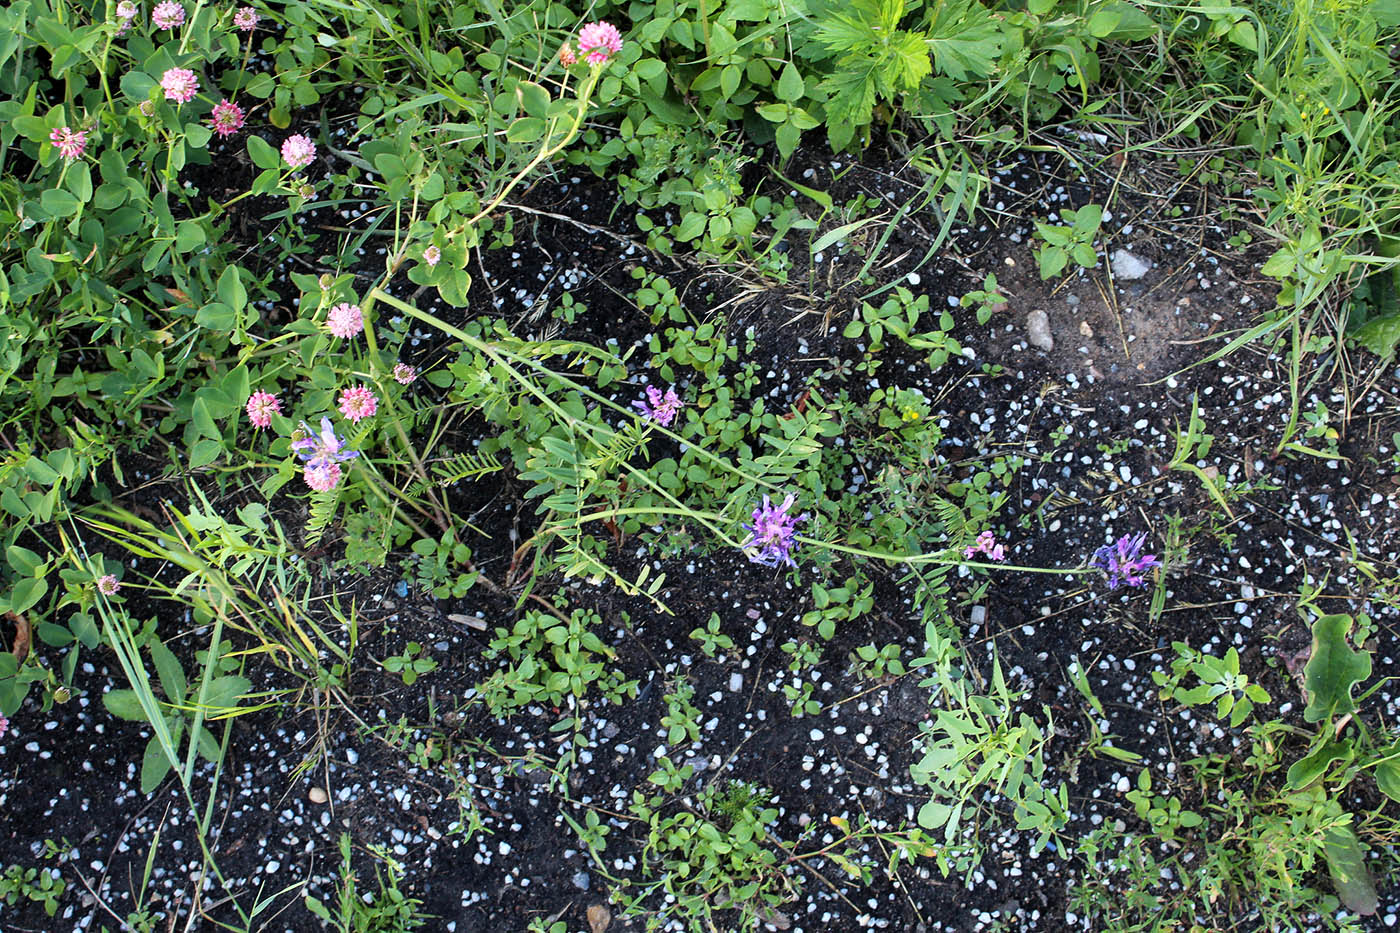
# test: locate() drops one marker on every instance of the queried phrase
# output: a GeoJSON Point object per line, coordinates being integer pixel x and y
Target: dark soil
{"type": "Point", "coordinates": [409, 768]}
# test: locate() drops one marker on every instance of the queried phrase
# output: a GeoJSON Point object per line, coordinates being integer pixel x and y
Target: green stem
{"type": "Point", "coordinates": [547, 152]}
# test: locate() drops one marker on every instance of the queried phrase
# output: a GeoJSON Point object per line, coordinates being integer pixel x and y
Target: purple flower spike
{"type": "Point", "coordinates": [1124, 562]}
{"type": "Point", "coordinates": [320, 449]}
{"type": "Point", "coordinates": [772, 533]}
{"type": "Point", "coordinates": [658, 407]}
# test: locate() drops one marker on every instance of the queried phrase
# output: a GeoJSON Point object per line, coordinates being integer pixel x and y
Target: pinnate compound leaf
{"type": "Point", "coordinates": [1334, 668]}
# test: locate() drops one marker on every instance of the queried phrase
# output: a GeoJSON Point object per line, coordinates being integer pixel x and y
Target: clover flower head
{"type": "Point", "coordinates": [261, 407]}
{"type": "Point", "coordinates": [147, 108]}
{"type": "Point", "coordinates": [1123, 562]}
{"type": "Point", "coordinates": [322, 476]}
{"type": "Point", "coordinates": [179, 84]}
{"type": "Point", "coordinates": [108, 584]}
{"type": "Point", "coordinates": [70, 143]}
{"type": "Point", "coordinates": [324, 447]}
{"type": "Point", "coordinates": [432, 255]}
{"type": "Point", "coordinates": [245, 18]}
{"type": "Point", "coordinates": [168, 14]}
{"type": "Point", "coordinates": [986, 544]}
{"type": "Point", "coordinates": [771, 533]}
{"type": "Point", "coordinates": [566, 55]}
{"type": "Point", "coordinates": [226, 118]}
{"type": "Point", "coordinates": [127, 10]}
{"type": "Point", "coordinates": [599, 42]}
{"type": "Point", "coordinates": [658, 407]}
{"type": "Point", "coordinates": [298, 151]}
{"type": "Point", "coordinates": [4, 725]}
{"type": "Point", "coordinates": [345, 320]}
{"type": "Point", "coordinates": [358, 403]}
{"type": "Point", "coordinates": [404, 373]}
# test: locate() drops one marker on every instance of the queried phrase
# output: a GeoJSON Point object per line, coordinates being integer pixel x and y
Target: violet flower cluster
{"type": "Point", "coordinates": [323, 453]}
{"type": "Point", "coordinates": [660, 407]}
{"type": "Point", "coordinates": [1123, 562]}
{"type": "Point", "coordinates": [772, 533]}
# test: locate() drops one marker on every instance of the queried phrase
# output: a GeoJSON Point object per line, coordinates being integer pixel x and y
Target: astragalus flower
{"type": "Point", "coordinates": [1123, 562]}
{"type": "Point", "coordinates": [659, 407]}
{"type": "Point", "coordinates": [986, 544]}
{"type": "Point", "coordinates": [323, 453]}
{"type": "Point", "coordinates": [770, 541]}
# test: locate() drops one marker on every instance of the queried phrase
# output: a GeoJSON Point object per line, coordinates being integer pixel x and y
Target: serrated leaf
{"type": "Point", "coordinates": [964, 40]}
{"type": "Point", "coordinates": [1334, 668]}
{"type": "Point", "coordinates": [911, 55]}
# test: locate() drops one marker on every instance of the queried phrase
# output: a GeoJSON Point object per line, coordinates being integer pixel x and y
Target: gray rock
{"type": "Point", "coordinates": [1127, 267]}
{"type": "Point", "coordinates": [581, 880]}
{"type": "Point", "coordinates": [1038, 330]}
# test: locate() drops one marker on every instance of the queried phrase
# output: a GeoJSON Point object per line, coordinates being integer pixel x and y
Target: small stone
{"type": "Point", "coordinates": [1038, 330]}
{"type": "Point", "coordinates": [736, 682]}
{"type": "Point", "coordinates": [1127, 267]}
{"type": "Point", "coordinates": [599, 917]}
{"type": "Point", "coordinates": [317, 795]}
{"type": "Point", "coordinates": [1085, 329]}
{"type": "Point", "coordinates": [978, 615]}
{"type": "Point", "coordinates": [581, 880]}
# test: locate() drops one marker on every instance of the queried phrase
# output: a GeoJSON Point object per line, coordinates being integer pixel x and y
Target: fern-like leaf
{"type": "Point", "coordinates": [323, 506]}
{"type": "Point", "coordinates": [455, 469]}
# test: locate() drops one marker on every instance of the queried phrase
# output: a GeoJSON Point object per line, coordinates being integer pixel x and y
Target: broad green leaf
{"type": "Point", "coordinates": [1308, 769]}
{"type": "Point", "coordinates": [262, 153]}
{"type": "Point", "coordinates": [123, 704]}
{"type": "Point", "coordinates": [790, 87]}
{"type": "Point", "coordinates": [59, 203]}
{"type": "Point", "coordinates": [1388, 779]}
{"type": "Point", "coordinates": [1380, 335]}
{"type": "Point", "coordinates": [24, 561]}
{"type": "Point", "coordinates": [525, 130]}
{"type": "Point", "coordinates": [1346, 861]}
{"type": "Point", "coordinates": [172, 675]}
{"type": "Point", "coordinates": [154, 766]}
{"type": "Point", "coordinates": [27, 592]}
{"type": "Point", "coordinates": [223, 693]}
{"type": "Point", "coordinates": [1333, 669]}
